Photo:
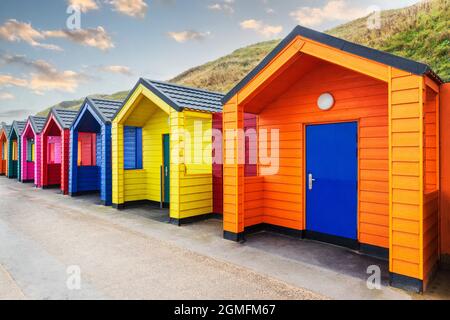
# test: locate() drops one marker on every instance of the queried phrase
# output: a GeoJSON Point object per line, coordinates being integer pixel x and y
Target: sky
{"type": "Point", "coordinates": [58, 50]}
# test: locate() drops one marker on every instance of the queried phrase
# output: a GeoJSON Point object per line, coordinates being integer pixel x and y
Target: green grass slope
{"type": "Point", "coordinates": [420, 32]}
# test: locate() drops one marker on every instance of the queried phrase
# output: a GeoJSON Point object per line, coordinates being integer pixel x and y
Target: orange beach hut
{"type": "Point", "coordinates": [4, 133]}
{"type": "Point", "coordinates": [352, 136]}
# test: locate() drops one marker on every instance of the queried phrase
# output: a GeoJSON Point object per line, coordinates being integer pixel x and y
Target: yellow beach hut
{"type": "Point", "coordinates": [162, 149]}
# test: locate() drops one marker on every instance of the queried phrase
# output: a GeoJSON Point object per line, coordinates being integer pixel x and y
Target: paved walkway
{"type": "Point", "coordinates": [131, 254]}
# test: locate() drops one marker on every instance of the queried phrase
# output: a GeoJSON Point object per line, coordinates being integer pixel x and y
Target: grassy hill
{"type": "Point", "coordinates": [420, 32]}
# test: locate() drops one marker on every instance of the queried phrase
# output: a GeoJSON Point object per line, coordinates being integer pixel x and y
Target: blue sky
{"type": "Point", "coordinates": [43, 63]}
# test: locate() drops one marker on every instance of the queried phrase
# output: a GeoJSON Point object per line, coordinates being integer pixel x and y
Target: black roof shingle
{"type": "Point", "coordinates": [401, 63]}
{"type": "Point", "coordinates": [181, 97]}
{"type": "Point", "coordinates": [7, 129]}
{"type": "Point", "coordinates": [37, 123]}
{"type": "Point", "coordinates": [64, 117]}
{"type": "Point", "coordinates": [105, 109]}
{"type": "Point", "coordinates": [18, 126]}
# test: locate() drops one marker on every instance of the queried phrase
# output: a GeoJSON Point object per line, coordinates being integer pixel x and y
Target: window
{"type": "Point", "coordinates": [54, 154]}
{"type": "Point", "coordinates": [30, 150]}
{"type": "Point", "coordinates": [51, 153]}
{"type": "Point", "coordinates": [87, 149]}
{"type": "Point", "coordinates": [4, 150]}
{"type": "Point", "coordinates": [14, 151]}
{"type": "Point", "coordinates": [132, 141]}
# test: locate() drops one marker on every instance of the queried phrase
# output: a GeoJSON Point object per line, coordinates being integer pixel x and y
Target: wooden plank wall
{"type": "Point", "coordinates": [37, 167]}
{"type": "Point", "coordinates": [233, 172]}
{"type": "Point", "coordinates": [431, 184]}
{"type": "Point", "coordinates": [27, 167]}
{"type": "Point", "coordinates": [3, 152]}
{"type": "Point", "coordinates": [117, 164]}
{"type": "Point", "coordinates": [65, 154]}
{"type": "Point", "coordinates": [218, 168]}
{"type": "Point", "coordinates": [105, 161]}
{"type": "Point", "coordinates": [195, 185]}
{"type": "Point", "coordinates": [152, 147]}
{"type": "Point", "coordinates": [445, 168]}
{"type": "Point", "coordinates": [358, 98]}
{"type": "Point", "coordinates": [406, 122]}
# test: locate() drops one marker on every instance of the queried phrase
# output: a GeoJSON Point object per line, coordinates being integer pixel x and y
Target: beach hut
{"type": "Point", "coordinates": [55, 149]}
{"type": "Point", "coordinates": [348, 142]}
{"type": "Point", "coordinates": [31, 150]}
{"type": "Point", "coordinates": [162, 149]}
{"type": "Point", "coordinates": [13, 167]}
{"type": "Point", "coordinates": [445, 172]}
{"type": "Point", "coordinates": [90, 149]}
{"type": "Point", "coordinates": [4, 133]}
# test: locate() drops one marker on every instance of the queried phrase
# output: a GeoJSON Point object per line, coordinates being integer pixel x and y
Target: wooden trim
{"type": "Point", "coordinates": [390, 144]}
{"type": "Point", "coordinates": [431, 84]}
{"type": "Point", "coordinates": [422, 97]}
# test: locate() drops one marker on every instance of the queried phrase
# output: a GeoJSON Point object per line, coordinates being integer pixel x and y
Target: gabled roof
{"type": "Point", "coordinates": [181, 97]}
{"type": "Point", "coordinates": [64, 117]}
{"type": "Point", "coordinates": [18, 126]}
{"type": "Point", "coordinates": [404, 64]}
{"type": "Point", "coordinates": [7, 129]}
{"type": "Point", "coordinates": [37, 123]}
{"type": "Point", "coordinates": [105, 109]}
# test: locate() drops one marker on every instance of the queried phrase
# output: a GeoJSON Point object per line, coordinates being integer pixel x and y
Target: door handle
{"type": "Point", "coordinates": [166, 170]}
{"type": "Point", "coordinates": [311, 180]}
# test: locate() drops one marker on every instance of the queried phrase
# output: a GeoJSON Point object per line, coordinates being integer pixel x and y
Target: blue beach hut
{"type": "Point", "coordinates": [90, 149]}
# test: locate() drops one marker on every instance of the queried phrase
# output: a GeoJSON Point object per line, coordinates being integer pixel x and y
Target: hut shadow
{"type": "Point", "coordinates": [330, 257]}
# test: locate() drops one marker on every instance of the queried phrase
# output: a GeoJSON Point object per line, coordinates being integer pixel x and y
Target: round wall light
{"type": "Point", "coordinates": [325, 101]}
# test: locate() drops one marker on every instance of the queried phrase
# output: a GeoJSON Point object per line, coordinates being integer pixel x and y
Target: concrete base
{"type": "Point", "coordinates": [83, 193]}
{"type": "Point", "coordinates": [236, 237]}
{"type": "Point", "coordinates": [180, 222]}
{"type": "Point", "coordinates": [277, 229]}
{"type": "Point", "coordinates": [133, 204]}
{"type": "Point", "coordinates": [105, 203]}
{"type": "Point", "coordinates": [374, 251]}
{"type": "Point", "coordinates": [55, 186]}
{"type": "Point", "coordinates": [406, 283]}
{"type": "Point", "coordinates": [445, 262]}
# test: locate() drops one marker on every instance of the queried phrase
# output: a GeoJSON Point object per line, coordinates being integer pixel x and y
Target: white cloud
{"type": "Point", "coordinates": [260, 27]}
{"type": "Point", "coordinates": [6, 96]}
{"type": "Point", "coordinates": [116, 69]}
{"type": "Point", "coordinates": [67, 81]}
{"type": "Point", "coordinates": [43, 76]}
{"type": "Point", "coordinates": [16, 31]}
{"type": "Point", "coordinates": [7, 80]}
{"type": "Point", "coordinates": [333, 10]}
{"type": "Point", "coordinates": [84, 5]}
{"type": "Point", "coordinates": [184, 36]}
{"type": "Point", "coordinates": [133, 8]}
{"type": "Point", "coordinates": [225, 6]}
{"type": "Point", "coordinates": [95, 37]}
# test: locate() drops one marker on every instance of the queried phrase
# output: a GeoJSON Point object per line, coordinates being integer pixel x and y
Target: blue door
{"type": "Point", "coordinates": [332, 179]}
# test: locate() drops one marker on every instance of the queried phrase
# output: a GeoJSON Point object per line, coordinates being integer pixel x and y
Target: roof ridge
{"type": "Point", "coordinates": [183, 86]}
{"type": "Point", "coordinates": [109, 100]}
{"type": "Point", "coordinates": [382, 57]}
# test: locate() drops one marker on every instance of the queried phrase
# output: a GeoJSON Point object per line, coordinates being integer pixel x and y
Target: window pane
{"type": "Point", "coordinates": [87, 149]}
{"type": "Point", "coordinates": [129, 142]}
{"type": "Point", "coordinates": [14, 150]}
